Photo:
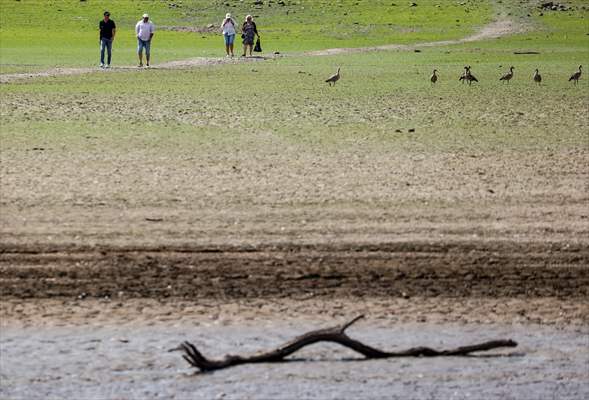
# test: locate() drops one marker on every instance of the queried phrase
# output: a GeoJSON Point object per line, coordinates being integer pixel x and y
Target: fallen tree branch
{"type": "Point", "coordinates": [335, 335]}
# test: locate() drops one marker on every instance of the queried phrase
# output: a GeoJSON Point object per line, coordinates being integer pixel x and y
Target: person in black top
{"type": "Point", "coordinates": [248, 31]}
{"type": "Point", "coordinates": [108, 30]}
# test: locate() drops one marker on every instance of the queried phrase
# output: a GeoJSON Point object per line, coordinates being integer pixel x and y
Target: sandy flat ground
{"type": "Point", "coordinates": [130, 360]}
{"type": "Point", "coordinates": [98, 281]}
{"type": "Point", "coordinates": [341, 225]}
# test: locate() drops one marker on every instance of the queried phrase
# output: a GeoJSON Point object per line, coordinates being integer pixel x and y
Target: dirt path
{"type": "Point", "coordinates": [503, 27]}
{"type": "Point", "coordinates": [493, 30]}
{"type": "Point", "coordinates": [188, 63]}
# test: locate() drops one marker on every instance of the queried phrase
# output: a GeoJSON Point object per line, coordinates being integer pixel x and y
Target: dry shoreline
{"type": "Point", "coordinates": [482, 282]}
{"type": "Point", "coordinates": [130, 360]}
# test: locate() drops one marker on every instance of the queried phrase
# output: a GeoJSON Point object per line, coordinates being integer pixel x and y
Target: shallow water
{"type": "Point", "coordinates": [112, 362]}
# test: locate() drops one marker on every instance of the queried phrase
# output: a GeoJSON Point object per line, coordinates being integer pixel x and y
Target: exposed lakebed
{"type": "Point", "coordinates": [132, 361]}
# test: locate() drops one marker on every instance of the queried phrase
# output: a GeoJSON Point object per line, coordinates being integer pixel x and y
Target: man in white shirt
{"type": "Point", "coordinates": [144, 31]}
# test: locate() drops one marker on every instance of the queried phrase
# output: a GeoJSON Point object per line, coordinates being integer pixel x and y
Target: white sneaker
{"type": "Point", "coordinates": [107, 66]}
{"type": "Point", "coordinates": [101, 65]}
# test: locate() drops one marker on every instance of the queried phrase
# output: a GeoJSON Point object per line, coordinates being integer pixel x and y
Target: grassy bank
{"type": "Point", "coordinates": [287, 99]}
{"type": "Point", "coordinates": [36, 34]}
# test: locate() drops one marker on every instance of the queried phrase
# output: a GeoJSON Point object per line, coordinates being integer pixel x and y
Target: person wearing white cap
{"type": "Point", "coordinates": [248, 31]}
{"type": "Point", "coordinates": [228, 27]}
{"type": "Point", "coordinates": [144, 31]}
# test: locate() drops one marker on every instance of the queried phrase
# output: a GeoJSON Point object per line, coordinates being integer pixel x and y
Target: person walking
{"type": "Point", "coordinates": [248, 31]}
{"type": "Point", "coordinates": [144, 31]}
{"type": "Point", "coordinates": [108, 30]}
{"type": "Point", "coordinates": [228, 27]}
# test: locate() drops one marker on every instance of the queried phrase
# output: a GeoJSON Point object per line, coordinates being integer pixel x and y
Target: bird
{"type": "Point", "coordinates": [434, 77]}
{"type": "Point", "coordinates": [575, 77]}
{"type": "Point", "coordinates": [334, 78]}
{"type": "Point", "coordinates": [470, 78]}
{"type": "Point", "coordinates": [507, 77]}
{"type": "Point", "coordinates": [537, 77]}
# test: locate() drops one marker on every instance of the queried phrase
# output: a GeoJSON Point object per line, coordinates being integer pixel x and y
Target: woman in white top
{"type": "Point", "coordinates": [228, 27]}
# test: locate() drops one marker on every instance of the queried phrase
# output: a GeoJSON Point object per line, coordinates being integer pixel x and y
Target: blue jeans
{"type": "Point", "coordinates": [229, 39]}
{"type": "Point", "coordinates": [105, 44]}
{"type": "Point", "coordinates": [143, 44]}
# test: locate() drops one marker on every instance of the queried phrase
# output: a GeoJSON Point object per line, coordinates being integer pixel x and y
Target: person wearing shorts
{"type": "Point", "coordinates": [228, 27]}
{"type": "Point", "coordinates": [108, 30]}
{"type": "Point", "coordinates": [248, 31]}
{"type": "Point", "coordinates": [144, 31]}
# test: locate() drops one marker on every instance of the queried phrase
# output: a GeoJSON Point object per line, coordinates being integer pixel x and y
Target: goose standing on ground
{"type": "Point", "coordinates": [470, 78]}
{"type": "Point", "coordinates": [575, 77]}
{"type": "Point", "coordinates": [334, 78]}
{"type": "Point", "coordinates": [507, 77]}
{"type": "Point", "coordinates": [434, 77]}
{"type": "Point", "coordinates": [537, 77]}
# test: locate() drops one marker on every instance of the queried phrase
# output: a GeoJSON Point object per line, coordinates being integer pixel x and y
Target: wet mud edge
{"type": "Point", "coordinates": [388, 270]}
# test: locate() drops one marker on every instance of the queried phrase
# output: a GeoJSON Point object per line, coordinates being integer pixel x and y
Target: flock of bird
{"type": "Point", "coordinates": [467, 76]}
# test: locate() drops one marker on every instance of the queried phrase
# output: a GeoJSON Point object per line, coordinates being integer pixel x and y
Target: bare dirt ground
{"type": "Point", "coordinates": [491, 270]}
{"type": "Point", "coordinates": [237, 236]}
{"type": "Point", "coordinates": [494, 30]}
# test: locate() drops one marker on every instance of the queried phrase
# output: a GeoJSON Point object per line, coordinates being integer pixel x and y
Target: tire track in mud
{"type": "Point", "coordinates": [496, 29]}
{"type": "Point", "coordinates": [469, 269]}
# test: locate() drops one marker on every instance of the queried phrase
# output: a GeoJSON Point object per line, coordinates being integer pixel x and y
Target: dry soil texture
{"type": "Point", "coordinates": [340, 227]}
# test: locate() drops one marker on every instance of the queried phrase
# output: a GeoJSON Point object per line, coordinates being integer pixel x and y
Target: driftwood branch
{"type": "Point", "coordinates": [334, 335]}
